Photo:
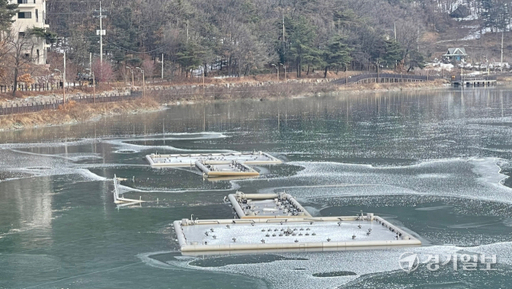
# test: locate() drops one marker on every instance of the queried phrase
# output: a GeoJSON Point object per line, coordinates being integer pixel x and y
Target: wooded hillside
{"type": "Point", "coordinates": [242, 37]}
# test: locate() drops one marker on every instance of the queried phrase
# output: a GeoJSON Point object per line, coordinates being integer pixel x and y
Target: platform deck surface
{"type": "Point", "coordinates": [176, 160]}
{"type": "Point", "coordinates": [275, 233]}
{"type": "Point", "coordinates": [268, 208]}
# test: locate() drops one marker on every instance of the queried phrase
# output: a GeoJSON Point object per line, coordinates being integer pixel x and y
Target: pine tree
{"type": "Point", "coordinates": [393, 54]}
{"type": "Point", "coordinates": [416, 59]}
{"type": "Point", "coordinates": [189, 57]}
{"type": "Point", "coordinates": [300, 42]}
{"type": "Point", "coordinates": [337, 54]}
{"type": "Point", "coordinates": [7, 12]}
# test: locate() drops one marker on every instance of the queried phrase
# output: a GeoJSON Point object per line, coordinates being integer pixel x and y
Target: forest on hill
{"type": "Point", "coordinates": [244, 37]}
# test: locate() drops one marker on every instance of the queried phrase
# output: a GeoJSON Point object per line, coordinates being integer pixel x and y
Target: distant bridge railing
{"type": "Point", "coordinates": [474, 78]}
{"type": "Point", "coordinates": [384, 78]}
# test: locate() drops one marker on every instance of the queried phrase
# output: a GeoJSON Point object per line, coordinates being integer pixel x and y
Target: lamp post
{"type": "Point", "coordinates": [487, 65]}
{"type": "Point", "coordinates": [93, 86]}
{"type": "Point", "coordinates": [63, 87]}
{"type": "Point", "coordinates": [131, 70]}
{"type": "Point", "coordinates": [143, 82]}
{"type": "Point", "coordinates": [91, 74]}
{"type": "Point", "coordinates": [277, 70]}
{"type": "Point", "coordinates": [284, 71]}
{"type": "Point", "coordinates": [462, 76]}
{"type": "Point", "coordinates": [91, 70]}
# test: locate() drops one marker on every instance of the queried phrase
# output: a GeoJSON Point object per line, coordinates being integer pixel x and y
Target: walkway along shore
{"type": "Point", "coordinates": [216, 91]}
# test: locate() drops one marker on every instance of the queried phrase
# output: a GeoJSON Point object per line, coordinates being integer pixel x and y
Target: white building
{"type": "Point", "coordinates": [32, 13]}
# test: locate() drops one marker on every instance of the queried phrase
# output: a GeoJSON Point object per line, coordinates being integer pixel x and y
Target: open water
{"type": "Point", "coordinates": [436, 163]}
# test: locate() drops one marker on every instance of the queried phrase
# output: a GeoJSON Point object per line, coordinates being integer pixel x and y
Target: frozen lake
{"type": "Point", "coordinates": [434, 162]}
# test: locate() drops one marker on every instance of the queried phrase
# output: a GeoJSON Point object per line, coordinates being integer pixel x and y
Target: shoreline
{"type": "Point", "coordinates": [76, 113]}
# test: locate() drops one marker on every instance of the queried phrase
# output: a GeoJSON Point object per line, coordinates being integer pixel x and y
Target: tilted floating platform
{"type": "Point", "coordinates": [265, 224]}
{"type": "Point", "coordinates": [216, 165]}
{"type": "Point", "coordinates": [122, 201]}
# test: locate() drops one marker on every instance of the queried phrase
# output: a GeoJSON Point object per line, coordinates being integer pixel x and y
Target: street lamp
{"type": "Point", "coordinates": [143, 82]}
{"type": "Point", "coordinates": [63, 87]}
{"type": "Point", "coordinates": [277, 70]}
{"type": "Point", "coordinates": [91, 71]}
{"type": "Point", "coordinates": [131, 70]}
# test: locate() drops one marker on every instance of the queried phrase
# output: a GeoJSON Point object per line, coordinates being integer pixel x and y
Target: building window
{"type": "Point", "coordinates": [24, 1]}
{"type": "Point", "coordinates": [24, 15]}
{"type": "Point", "coordinates": [21, 34]}
{"type": "Point", "coordinates": [37, 16]}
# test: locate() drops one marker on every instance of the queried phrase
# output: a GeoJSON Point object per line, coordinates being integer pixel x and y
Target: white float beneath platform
{"type": "Point", "coordinates": [277, 222]}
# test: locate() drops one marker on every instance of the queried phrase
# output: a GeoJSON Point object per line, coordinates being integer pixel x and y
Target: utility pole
{"type": "Point", "coordinates": [64, 80]}
{"type": "Point", "coordinates": [101, 32]}
{"type": "Point", "coordinates": [418, 40]}
{"type": "Point", "coordinates": [187, 32]}
{"type": "Point", "coordinates": [143, 82]}
{"type": "Point", "coordinates": [394, 29]}
{"type": "Point", "coordinates": [282, 40]}
{"type": "Point", "coordinates": [101, 35]}
{"type": "Point", "coordinates": [501, 60]}
{"type": "Point", "coordinates": [162, 66]}
{"type": "Point", "coordinates": [283, 31]}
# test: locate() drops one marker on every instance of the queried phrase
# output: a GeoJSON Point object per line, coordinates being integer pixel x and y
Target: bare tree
{"type": "Point", "coordinates": [17, 57]}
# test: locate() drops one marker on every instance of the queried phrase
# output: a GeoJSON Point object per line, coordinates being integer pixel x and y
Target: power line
{"type": "Point", "coordinates": [159, 49]}
{"type": "Point", "coordinates": [66, 13]}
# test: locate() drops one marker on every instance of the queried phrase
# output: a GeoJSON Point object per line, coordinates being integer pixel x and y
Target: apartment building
{"type": "Point", "coordinates": [32, 13]}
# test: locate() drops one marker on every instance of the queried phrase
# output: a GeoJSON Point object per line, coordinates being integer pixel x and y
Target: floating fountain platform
{"type": "Point", "coordinates": [250, 206]}
{"type": "Point", "coordinates": [277, 222]}
{"type": "Point", "coordinates": [200, 237]}
{"type": "Point", "coordinates": [216, 165]}
{"type": "Point", "coordinates": [190, 160]}
{"type": "Point", "coordinates": [233, 169]}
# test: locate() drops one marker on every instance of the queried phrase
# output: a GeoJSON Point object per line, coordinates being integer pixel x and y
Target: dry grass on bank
{"type": "Point", "coordinates": [73, 112]}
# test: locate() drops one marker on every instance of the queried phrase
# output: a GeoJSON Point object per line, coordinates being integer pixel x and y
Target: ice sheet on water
{"type": "Point", "coordinates": [47, 144]}
{"type": "Point", "coordinates": [135, 143]}
{"type": "Point", "coordinates": [297, 270]}
{"type": "Point", "coordinates": [467, 178]}
{"type": "Point", "coordinates": [488, 171]}
{"type": "Point", "coordinates": [123, 144]}
{"type": "Point", "coordinates": [177, 136]}
{"type": "Point", "coordinates": [90, 175]}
